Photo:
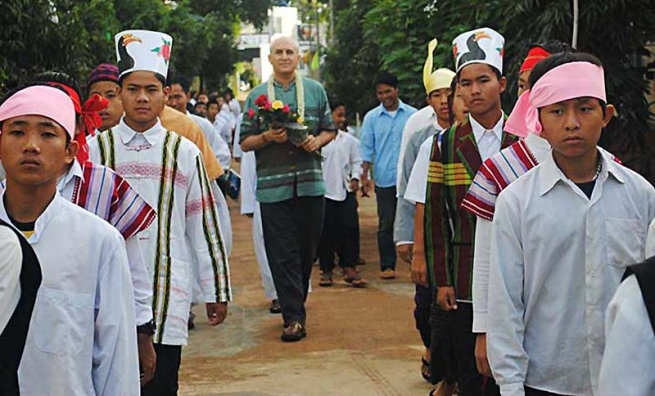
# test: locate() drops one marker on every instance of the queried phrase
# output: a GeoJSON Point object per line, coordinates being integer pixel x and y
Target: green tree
{"type": "Point", "coordinates": [353, 62]}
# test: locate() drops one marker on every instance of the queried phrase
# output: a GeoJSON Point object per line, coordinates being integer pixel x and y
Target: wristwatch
{"type": "Point", "coordinates": [147, 328]}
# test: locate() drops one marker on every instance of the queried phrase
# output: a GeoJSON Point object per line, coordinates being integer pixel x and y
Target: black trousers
{"type": "Point", "coordinates": [443, 363]}
{"type": "Point", "coordinates": [537, 392]}
{"type": "Point", "coordinates": [423, 298]}
{"type": "Point", "coordinates": [470, 382]}
{"type": "Point", "coordinates": [340, 234]}
{"type": "Point", "coordinates": [292, 230]}
{"type": "Point", "coordinates": [386, 200]}
{"type": "Point", "coordinates": [165, 382]}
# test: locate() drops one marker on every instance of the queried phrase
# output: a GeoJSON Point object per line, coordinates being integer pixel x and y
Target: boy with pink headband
{"type": "Point", "coordinates": [561, 237]}
{"type": "Point", "coordinates": [81, 339]}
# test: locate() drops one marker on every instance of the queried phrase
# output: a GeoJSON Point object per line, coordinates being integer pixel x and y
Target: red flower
{"type": "Point", "coordinates": [267, 105]}
{"type": "Point", "coordinates": [251, 113]}
{"type": "Point", "coordinates": [286, 109]}
{"type": "Point", "coordinates": [261, 100]}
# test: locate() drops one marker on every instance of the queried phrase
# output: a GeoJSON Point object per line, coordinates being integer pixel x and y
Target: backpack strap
{"type": "Point", "coordinates": [645, 274]}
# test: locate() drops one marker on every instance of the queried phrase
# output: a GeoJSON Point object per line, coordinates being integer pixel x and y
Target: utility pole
{"type": "Point", "coordinates": [576, 17]}
{"type": "Point", "coordinates": [331, 4]}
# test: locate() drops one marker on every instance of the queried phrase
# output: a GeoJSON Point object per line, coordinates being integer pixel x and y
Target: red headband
{"type": "Point", "coordinates": [535, 55]}
{"type": "Point", "coordinates": [90, 118]}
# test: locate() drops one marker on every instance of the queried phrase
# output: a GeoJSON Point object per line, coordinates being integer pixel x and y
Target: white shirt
{"type": "Point", "coordinates": [11, 260]}
{"type": "Point", "coordinates": [222, 127]}
{"type": "Point", "coordinates": [418, 179]}
{"type": "Point", "coordinates": [540, 148]}
{"type": "Point", "coordinates": [216, 142]}
{"type": "Point", "coordinates": [141, 281]}
{"type": "Point", "coordinates": [342, 162]}
{"type": "Point", "coordinates": [417, 121]}
{"type": "Point", "coordinates": [236, 147]}
{"type": "Point", "coordinates": [231, 121]}
{"type": "Point", "coordinates": [82, 338]}
{"type": "Point", "coordinates": [248, 182]}
{"type": "Point", "coordinates": [235, 107]}
{"type": "Point", "coordinates": [190, 242]}
{"type": "Point", "coordinates": [628, 367]}
{"type": "Point", "coordinates": [488, 140]}
{"type": "Point", "coordinates": [557, 257]}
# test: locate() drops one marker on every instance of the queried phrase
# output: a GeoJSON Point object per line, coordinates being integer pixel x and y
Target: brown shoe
{"type": "Point", "coordinates": [387, 274]}
{"type": "Point", "coordinates": [293, 332]}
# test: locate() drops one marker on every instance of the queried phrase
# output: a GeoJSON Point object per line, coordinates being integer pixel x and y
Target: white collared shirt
{"type": "Point", "coordinates": [81, 339]}
{"type": "Point", "coordinates": [141, 281]}
{"type": "Point", "coordinates": [341, 163]}
{"type": "Point", "coordinates": [557, 257]}
{"type": "Point", "coordinates": [416, 122]}
{"type": "Point", "coordinates": [540, 148]}
{"type": "Point", "coordinates": [186, 241]}
{"type": "Point", "coordinates": [488, 141]}
{"type": "Point", "coordinates": [11, 260]}
{"type": "Point", "coordinates": [628, 367]}
{"type": "Point", "coordinates": [418, 178]}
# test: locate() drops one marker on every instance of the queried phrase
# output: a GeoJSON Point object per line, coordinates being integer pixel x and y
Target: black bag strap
{"type": "Point", "coordinates": [645, 274]}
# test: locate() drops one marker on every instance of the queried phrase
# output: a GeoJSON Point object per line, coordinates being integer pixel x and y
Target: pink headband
{"type": "Point", "coordinates": [44, 101]}
{"type": "Point", "coordinates": [568, 81]}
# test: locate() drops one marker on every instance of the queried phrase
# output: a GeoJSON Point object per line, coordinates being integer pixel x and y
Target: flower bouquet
{"type": "Point", "coordinates": [279, 115]}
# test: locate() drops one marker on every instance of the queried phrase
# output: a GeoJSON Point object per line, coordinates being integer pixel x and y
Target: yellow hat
{"type": "Point", "coordinates": [440, 78]}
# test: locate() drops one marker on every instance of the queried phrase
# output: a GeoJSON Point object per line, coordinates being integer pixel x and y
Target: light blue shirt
{"type": "Point", "coordinates": [381, 135]}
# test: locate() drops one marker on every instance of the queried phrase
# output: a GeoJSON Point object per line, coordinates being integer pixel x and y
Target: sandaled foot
{"type": "Point", "coordinates": [351, 276]}
{"type": "Point", "coordinates": [293, 332]}
{"type": "Point", "coordinates": [326, 280]}
{"type": "Point", "coordinates": [388, 274]}
{"type": "Point", "coordinates": [425, 369]}
{"type": "Point", "coordinates": [275, 307]}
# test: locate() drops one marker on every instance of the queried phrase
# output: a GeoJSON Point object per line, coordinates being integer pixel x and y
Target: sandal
{"type": "Point", "coordinates": [425, 369]}
{"type": "Point", "coordinates": [326, 280]}
{"type": "Point", "coordinates": [355, 280]}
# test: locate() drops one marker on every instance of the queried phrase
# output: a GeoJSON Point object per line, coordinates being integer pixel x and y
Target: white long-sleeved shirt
{"type": "Point", "coordinates": [248, 182]}
{"type": "Point", "coordinates": [141, 281]}
{"type": "Point", "coordinates": [81, 339]}
{"type": "Point", "coordinates": [341, 163]}
{"type": "Point", "coordinates": [11, 259]}
{"type": "Point", "coordinates": [557, 257]}
{"type": "Point", "coordinates": [418, 178]}
{"type": "Point", "coordinates": [628, 367]}
{"type": "Point", "coordinates": [540, 148]}
{"type": "Point", "coordinates": [216, 142]}
{"type": "Point", "coordinates": [187, 232]}
{"type": "Point", "coordinates": [417, 121]}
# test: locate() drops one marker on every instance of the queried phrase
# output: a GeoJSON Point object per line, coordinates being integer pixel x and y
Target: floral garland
{"type": "Point", "coordinates": [300, 93]}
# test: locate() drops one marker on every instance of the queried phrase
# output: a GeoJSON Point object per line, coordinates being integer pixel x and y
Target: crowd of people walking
{"type": "Point", "coordinates": [528, 243]}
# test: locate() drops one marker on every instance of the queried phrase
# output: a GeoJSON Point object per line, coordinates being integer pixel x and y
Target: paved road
{"type": "Point", "coordinates": [360, 341]}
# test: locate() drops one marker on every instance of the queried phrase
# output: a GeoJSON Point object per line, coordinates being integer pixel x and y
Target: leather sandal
{"type": "Point", "coordinates": [293, 332]}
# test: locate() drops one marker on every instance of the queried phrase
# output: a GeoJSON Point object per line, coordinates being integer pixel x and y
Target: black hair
{"type": "Point", "coordinates": [497, 72]}
{"type": "Point", "coordinates": [335, 103]}
{"type": "Point", "coordinates": [213, 100]}
{"type": "Point", "coordinates": [229, 91]}
{"type": "Point", "coordinates": [159, 77]}
{"type": "Point", "coordinates": [199, 103]}
{"type": "Point", "coordinates": [386, 77]}
{"type": "Point", "coordinates": [560, 59]}
{"type": "Point", "coordinates": [176, 78]}
{"type": "Point", "coordinates": [451, 100]}
{"type": "Point", "coordinates": [555, 47]}
{"type": "Point", "coordinates": [58, 77]}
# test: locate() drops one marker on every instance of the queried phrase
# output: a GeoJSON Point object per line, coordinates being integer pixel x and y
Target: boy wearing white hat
{"type": "Point", "coordinates": [449, 231]}
{"type": "Point", "coordinates": [167, 170]}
